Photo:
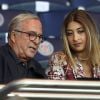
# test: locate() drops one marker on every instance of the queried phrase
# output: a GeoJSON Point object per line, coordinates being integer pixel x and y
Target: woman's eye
{"type": "Point", "coordinates": [69, 33]}
{"type": "Point", "coordinates": [81, 31]}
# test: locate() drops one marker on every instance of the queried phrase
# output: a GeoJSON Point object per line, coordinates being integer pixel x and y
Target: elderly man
{"type": "Point", "coordinates": [17, 56]}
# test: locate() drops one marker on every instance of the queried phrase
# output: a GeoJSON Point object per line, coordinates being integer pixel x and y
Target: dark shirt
{"type": "Point", "coordinates": [11, 68]}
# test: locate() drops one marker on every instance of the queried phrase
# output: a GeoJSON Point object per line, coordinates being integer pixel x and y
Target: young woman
{"type": "Point", "coordinates": [80, 57]}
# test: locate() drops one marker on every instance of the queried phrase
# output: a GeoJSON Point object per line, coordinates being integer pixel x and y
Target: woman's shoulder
{"type": "Point", "coordinates": [58, 57]}
{"type": "Point", "coordinates": [59, 54]}
{"type": "Point", "coordinates": [55, 69]}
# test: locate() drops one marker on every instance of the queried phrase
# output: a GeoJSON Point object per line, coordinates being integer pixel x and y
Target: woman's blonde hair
{"type": "Point", "coordinates": [92, 45]}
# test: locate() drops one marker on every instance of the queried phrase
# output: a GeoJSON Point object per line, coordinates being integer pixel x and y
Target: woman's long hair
{"type": "Point", "coordinates": [92, 45]}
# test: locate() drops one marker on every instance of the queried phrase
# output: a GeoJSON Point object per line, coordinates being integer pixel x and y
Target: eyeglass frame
{"type": "Point", "coordinates": [31, 34]}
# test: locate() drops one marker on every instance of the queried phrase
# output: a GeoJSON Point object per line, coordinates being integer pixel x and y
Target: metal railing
{"type": "Point", "coordinates": [35, 89]}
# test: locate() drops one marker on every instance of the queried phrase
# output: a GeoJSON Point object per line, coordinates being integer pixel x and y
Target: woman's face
{"type": "Point", "coordinates": [76, 36]}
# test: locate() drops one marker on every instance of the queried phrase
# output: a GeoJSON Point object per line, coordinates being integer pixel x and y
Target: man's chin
{"type": "Point", "coordinates": [31, 55]}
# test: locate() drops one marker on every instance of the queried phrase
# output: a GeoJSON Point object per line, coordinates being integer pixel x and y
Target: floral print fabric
{"type": "Point", "coordinates": [60, 69]}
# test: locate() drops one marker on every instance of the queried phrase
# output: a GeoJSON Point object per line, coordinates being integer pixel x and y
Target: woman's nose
{"type": "Point", "coordinates": [75, 36]}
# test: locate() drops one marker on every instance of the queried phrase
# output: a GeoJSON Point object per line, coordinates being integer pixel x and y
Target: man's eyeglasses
{"type": "Point", "coordinates": [32, 35]}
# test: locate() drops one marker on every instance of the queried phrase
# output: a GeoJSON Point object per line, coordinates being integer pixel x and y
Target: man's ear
{"type": "Point", "coordinates": [13, 36]}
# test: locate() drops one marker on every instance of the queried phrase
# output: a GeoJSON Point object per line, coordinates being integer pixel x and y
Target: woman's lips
{"type": "Point", "coordinates": [77, 44]}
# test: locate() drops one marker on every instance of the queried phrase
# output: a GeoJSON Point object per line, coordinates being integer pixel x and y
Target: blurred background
{"type": "Point", "coordinates": [52, 13]}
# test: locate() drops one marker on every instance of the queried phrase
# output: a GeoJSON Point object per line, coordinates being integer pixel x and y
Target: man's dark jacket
{"type": "Point", "coordinates": [11, 68]}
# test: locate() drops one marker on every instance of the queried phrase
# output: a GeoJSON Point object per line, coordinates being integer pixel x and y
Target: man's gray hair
{"type": "Point", "coordinates": [15, 22]}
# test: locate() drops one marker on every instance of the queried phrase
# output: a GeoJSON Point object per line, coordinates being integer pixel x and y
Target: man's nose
{"type": "Point", "coordinates": [37, 40]}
